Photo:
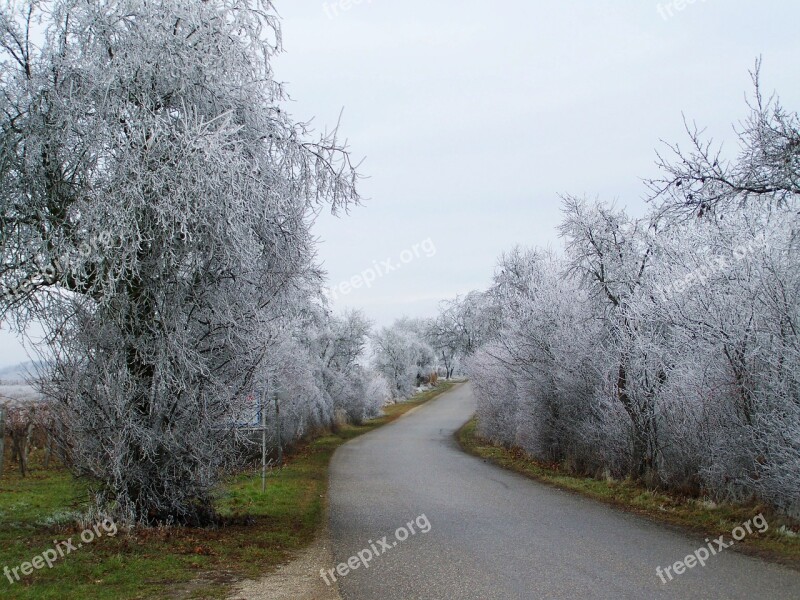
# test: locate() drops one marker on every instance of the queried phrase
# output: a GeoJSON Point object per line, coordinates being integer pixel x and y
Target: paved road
{"type": "Point", "coordinates": [494, 534]}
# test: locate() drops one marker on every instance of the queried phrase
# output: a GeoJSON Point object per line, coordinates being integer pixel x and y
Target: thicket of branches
{"type": "Point", "coordinates": [664, 348]}
{"type": "Point", "coordinates": [156, 205]}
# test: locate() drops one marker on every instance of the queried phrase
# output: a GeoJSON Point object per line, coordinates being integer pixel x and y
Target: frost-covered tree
{"type": "Point", "coordinates": [402, 355]}
{"type": "Point", "coordinates": [730, 287]}
{"type": "Point", "coordinates": [543, 358]}
{"type": "Point", "coordinates": [461, 326]}
{"type": "Point", "coordinates": [314, 377]}
{"type": "Point", "coordinates": [612, 253]}
{"type": "Point", "coordinates": [354, 389]}
{"type": "Point", "coordinates": [765, 171]}
{"type": "Point", "coordinates": [663, 348]}
{"type": "Point", "coordinates": [155, 215]}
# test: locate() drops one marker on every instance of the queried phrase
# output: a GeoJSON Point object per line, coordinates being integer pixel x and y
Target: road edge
{"type": "Point", "coordinates": [269, 586]}
{"type": "Point", "coordinates": [514, 460]}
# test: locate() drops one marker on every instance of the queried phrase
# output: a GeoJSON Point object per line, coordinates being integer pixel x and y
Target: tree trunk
{"type": "Point", "coordinates": [15, 444]}
{"type": "Point", "coordinates": [447, 367]}
{"type": "Point", "coordinates": [643, 443]}
{"type": "Point", "coordinates": [48, 450]}
{"type": "Point", "coordinates": [22, 450]}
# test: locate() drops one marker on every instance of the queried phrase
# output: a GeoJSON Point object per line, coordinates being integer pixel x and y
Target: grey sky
{"type": "Point", "coordinates": [474, 116]}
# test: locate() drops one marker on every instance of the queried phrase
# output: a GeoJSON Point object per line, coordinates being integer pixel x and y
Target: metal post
{"type": "Point", "coordinates": [278, 423]}
{"type": "Point", "coordinates": [264, 441]}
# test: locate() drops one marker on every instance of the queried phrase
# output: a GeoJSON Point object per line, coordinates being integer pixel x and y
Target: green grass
{"type": "Point", "coordinates": [694, 514]}
{"type": "Point", "coordinates": [262, 531]}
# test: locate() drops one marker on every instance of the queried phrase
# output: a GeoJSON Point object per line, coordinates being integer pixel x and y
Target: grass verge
{"type": "Point", "coordinates": [699, 516]}
{"type": "Point", "coordinates": [262, 530]}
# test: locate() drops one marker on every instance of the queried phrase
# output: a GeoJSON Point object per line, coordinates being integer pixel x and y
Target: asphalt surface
{"type": "Point", "coordinates": [494, 534]}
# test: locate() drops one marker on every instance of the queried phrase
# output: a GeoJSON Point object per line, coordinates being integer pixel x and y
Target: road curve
{"type": "Point", "coordinates": [495, 534]}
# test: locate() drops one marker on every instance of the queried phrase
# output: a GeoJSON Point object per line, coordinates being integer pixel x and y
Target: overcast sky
{"type": "Point", "coordinates": [472, 117]}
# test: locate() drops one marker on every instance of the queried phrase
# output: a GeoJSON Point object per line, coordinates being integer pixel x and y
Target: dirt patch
{"type": "Point", "coordinates": [297, 580]}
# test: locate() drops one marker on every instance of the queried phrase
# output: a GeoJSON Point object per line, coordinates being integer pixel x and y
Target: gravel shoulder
{"type": "Point", "coordinates": [296, 580]}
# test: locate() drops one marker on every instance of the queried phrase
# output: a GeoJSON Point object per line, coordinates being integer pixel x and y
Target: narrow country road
{"type": "Point", "coordinates": [496, 535]}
